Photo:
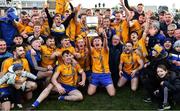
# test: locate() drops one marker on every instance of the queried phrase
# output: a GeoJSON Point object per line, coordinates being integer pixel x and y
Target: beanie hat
{"type": "Point", "coordinates": [17, 66]}
{"type": "Point", "coordinates": [167, 39]}
{"type": "Point", "coordinates": [176, 44]}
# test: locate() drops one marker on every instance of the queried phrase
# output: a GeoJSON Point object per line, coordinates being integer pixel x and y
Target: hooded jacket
{"type": "Point", "coordinates": [7, 29]}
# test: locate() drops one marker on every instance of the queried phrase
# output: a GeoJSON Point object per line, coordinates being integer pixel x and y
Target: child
{"type": "Point", "coordinates": [168, 45]}
{"type": "Point", "coordinates": [18, 78]}
{"type": "Point", "coordinates": [174, 57]}
{"type": "Point", "coordinates": [18, 40]}
{"type": "Point", "coordinates": [169, 86]}
{"type": "Point", "coordinates": [16, 72]}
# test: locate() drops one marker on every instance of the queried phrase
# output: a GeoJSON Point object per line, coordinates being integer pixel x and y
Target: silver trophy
{"type": "Point", "coordinates": [92, 24]}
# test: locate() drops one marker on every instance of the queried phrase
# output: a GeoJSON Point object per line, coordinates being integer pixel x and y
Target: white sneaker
{"type": "Point", "coordinates": [20, 106]}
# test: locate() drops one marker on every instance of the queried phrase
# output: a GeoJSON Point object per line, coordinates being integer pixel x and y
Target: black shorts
{"type": "Point", "coordinates": [5, 98]}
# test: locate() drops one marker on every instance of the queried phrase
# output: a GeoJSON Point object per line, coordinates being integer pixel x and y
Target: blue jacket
{"type": "Point", "coordinates": [156, 39]}
{"type": "Point", "coordinates": [7, 29]}
{"type": "Point", "coordinates": [174, 56]}
{"type": "Point", "coordinates": [29, 58]}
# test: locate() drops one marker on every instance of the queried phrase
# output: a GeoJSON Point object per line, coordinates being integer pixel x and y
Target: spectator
{"type": "Point", "coordinates": [170, 32]}
{"type": "Point", "coordinates": [4, 54]}
{"type": "Point", "coordinates": [115, 49]}
{"type": "Point", "coordinates": [168, 87]}
{"type": "Point", "coordinates": [168, 45]}
{"type": "Point", "coordinates": [174, 57]}
{"type": "Point", "coordinates": [158, 57]}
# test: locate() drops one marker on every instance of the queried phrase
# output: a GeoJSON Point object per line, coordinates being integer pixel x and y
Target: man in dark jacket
{"type": "Point", "coordinates": [114, 57]}
{"type": "Point", "coordinates": [7, 29]}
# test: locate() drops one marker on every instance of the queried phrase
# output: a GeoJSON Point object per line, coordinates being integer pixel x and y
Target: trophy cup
{"type": "Point", "coordinates": [92, 24]}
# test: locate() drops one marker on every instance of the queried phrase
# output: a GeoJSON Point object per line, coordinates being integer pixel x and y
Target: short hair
{"type": "Point", "coordinates": [49, 37]}
{"type": "Point", "coordinates": [18, 36]}
{"type": "Point", "coordinates": [142, 14]}
{"type": "Point", "coordinates": [162, 13]}
{"type": "Point", "coordinates": [162, 67]}
{"type": "Point", "coordinates": [101, 14]}
{"type": "Point", "coordinates": [37, 23]}
{"type": "Point", "coordinates": [88, 10]}
{"type": "Point", "coordinates": [33, 39]}
{"type": "Point", "coordinates": [108, 10]}
{"type": "Point", "coordinates": [82, 15]}
{"type": "Point", "coordinates": [129, 42]}
{"type": "Point", "coordinates": [96, 37]}
{"type": "Point", "coordinates": [116, 12]}
{"type": "Point", "coordinates": [134, 32]}
{"type": "Point", "coordinates": [107, 18]}
{"type": "Point", "coordinates": [17, 46]}
{"type": "Point", "coordinates": [34, 8]}
{"type": "Point", "coordinates": [64, 37]}
{"type": "Point", "coordinates": [168, 13]}
{"type": "Point", "coordinates": [34, 15]}
{"type": "Point", "coordinates": [115, 36]}
{"type": "Point", "coordinates": [155, 24]}
{"type": "Point", "coordinates": [97, 10]}
{"type": "Point", "coordinates": [23, 12]}
{"type": "Point", "coordinates": [57, 15]}
{"type": "Point", "coordinates": [172, 27]}
{"type": "Point", "coordinates": [2, 40]}
{"type": "Point", "coordinates": [154, 18]}
{"type": "Point", "coordinates": [67, 11]}
{"type": "Point", "coordinates": [66, 52]}
{"type": "Point", "coordinates": [140, 4]}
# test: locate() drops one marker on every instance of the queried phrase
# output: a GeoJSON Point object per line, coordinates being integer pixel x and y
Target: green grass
{"type": "Point", "coordinates": [125, 99]}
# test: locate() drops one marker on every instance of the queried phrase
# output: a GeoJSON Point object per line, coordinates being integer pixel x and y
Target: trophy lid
{"type": "Point", "coordinates": [92, 21]}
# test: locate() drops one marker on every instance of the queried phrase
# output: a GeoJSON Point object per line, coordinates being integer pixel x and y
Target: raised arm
{"type": "Point", "coordinates": [127, 12]}
{"type": "Point", "coordinates": [55, 54]}
{"type": "Point", "coordinates": [88, 44]}
{"type": "Point", "coordinates": [105, 42]}
{"type": "Point", "coordinates": [50, 19]}
{"type": "Point", "coordinates": [146, 28]}
{"type": "Point", "coordinates": [72, 15]}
